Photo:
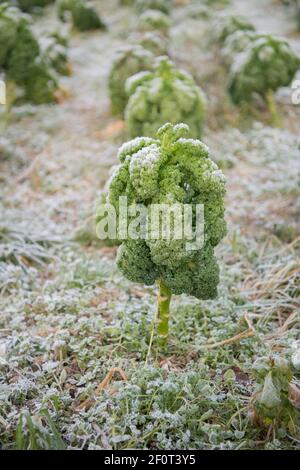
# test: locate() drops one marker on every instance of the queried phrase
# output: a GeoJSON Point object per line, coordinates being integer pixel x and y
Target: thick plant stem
{"type": "Point", "coordinates": [163, 310]}
{"type": "Point", "coordinates": [272, 107]}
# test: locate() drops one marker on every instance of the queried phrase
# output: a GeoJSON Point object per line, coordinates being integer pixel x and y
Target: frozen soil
{"type": "Point", "coordinates": [74, 333]}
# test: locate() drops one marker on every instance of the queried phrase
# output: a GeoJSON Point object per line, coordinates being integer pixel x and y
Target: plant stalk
{"type": "Point", "coordinates": [163, 310]}
{"type": "Point", "coordinates": [272, 107]}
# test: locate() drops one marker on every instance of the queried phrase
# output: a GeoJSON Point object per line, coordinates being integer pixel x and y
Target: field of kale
{"type": "Point", "coordinates": [81, 365]}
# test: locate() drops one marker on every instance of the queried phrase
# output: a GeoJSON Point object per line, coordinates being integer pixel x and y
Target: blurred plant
{"type": "Point", "coordinates": [273, 402]}
{"type": "Point", "coordinates": [31, 5]}
{"type": "Point", "coordinates": [153, 42]}
{"type": "Point", "coordinates": [24, 52]}
{"type": "Point", "coordinates": [224, 26]}
{"type": "Point", "coordinates": [164, 95]}
{"type": "Point", "coordinates": [9, 20]}
{"type": "Point", "coordinates": [236, 43]}
{"type": "Point", "coordinates": [41, 86]}
{"type": "Point", "coordinates": [154, 20]}
{"type": "Point", "coordinates": [195, 11]}
{"type": "Point", "coordinates": [295, 4]}
{"type": "Point", "coordinates": [82, 13]}
{"type": "Point", "coordinates": [161, 5]}
{"type": "Point", "coordinates": [21, 57]}
{"type": "Point", "coordinates": [266, 65]}
{"type": "Point", "coordinates": [127, 61]}
{"type": "Point", "coordinates": [55, 53]}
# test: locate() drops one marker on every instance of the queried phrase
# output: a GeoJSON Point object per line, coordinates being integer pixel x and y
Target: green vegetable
{"type": "Point", "coordinates": [154, 20]}
{"type": "Point", "coordinates": [266, 65]}
{"type": "Point", "coordinates": [236, 43]}
{"type": "Point", "coordinates": [9, 19]}
{"type": "Point", "coordinates": [21, 58]}
{"type": "Point", "coordinates": [162, 5]}
{"type": "Point", "coordinates": [128, 61]}
{"type": "Point", "coordinates": [29, 5]}
{"type": "Point", "coordinates": [83, 13]}
{"type": "Point", "coordinates": [272, 402]}
{"type": "Point", "coordinates": [166, 94]}
{"type": "Point", "coordinates": [24, 52]}
{"type": "Point", "coordinates": [170, 169]}
{"type": "Point", "coordinates": [41, 85]}
{"type": "Point", "coordinates": [85, 17]}
{"type": "Point", "coordinates": [227, 25]}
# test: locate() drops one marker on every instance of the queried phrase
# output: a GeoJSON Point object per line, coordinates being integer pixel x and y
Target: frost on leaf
{"type": "Point", "coordinates": [266, 64]}
{"type": "Point", "coordinates": [127, 61]}
{"type": "Point", "coordinates": [164, 95]}
{"type": "Point", "coordinates": [171, 170]}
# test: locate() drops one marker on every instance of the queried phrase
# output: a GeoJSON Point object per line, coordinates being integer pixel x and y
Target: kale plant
{"type": "Point", "coordinates": [83, 14]}
{"type": "Point", "coordinates": [154, 20]}
{"type": "Point", "coordinates": [227, 25]}
{"type": "Point", "coordinates": [127, 61]}
{"type": "Point", "coordinates": [236, 43]}
{"type": "Point", "coordinates": [166, 94]}
{"type": "Point", "coordinates": [170, 169]}
{"type": "Point", "coordinates": [266, 65]}
{"type": "Point", "coordinates": [21, 57]}
{"type": "Point", "coordinates": [276, 398]}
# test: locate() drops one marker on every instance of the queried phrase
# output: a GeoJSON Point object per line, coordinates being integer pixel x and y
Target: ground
{"type": "Point", "coordinates": [74, 333]}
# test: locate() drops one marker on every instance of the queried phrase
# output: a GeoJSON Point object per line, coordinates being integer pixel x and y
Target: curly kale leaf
{"type": "Point", "coordinates": [267, 64]}
{"type": "Point", "coordinates": [164, 95]}
{"type": "Point", "coordinates": [168, 170]}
